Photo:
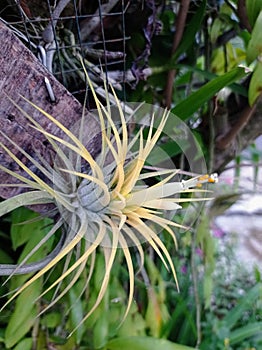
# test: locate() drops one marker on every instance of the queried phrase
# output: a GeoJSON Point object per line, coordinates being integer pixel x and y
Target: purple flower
{"type": "Point", "coordinates": [199, 252]}
{"type": "Point", "coordinates": [218, 232]}
{"type": "Point", "coordinates": [184, 269]}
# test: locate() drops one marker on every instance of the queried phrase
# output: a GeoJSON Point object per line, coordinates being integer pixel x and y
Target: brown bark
{"type": "Point", "coordinates": [180, 26]}
{"type": "Point", "coordinates": [21, 74]}
{"type": "Point", "coordinates": [245, 137]}
{"type": "Point", "coordinates": [242, 14]}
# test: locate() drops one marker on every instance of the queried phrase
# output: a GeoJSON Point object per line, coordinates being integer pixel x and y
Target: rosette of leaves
{"type": "Point", "coordinates": [105, 203]}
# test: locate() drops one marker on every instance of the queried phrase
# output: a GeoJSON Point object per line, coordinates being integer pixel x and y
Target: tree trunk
{"type": "Point", "coordinates": [21, 74]}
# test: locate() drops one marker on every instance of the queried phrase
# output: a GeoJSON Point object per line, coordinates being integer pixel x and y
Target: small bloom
{"type": "Point", "coordinates": [199, 252]}
{"type": "Point", "coordinates": [218, 232]}
{"type": "Point", "coordinates": [184, 269]}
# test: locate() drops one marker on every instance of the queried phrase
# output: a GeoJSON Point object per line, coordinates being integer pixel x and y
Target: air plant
{"type": "Point", "coordinates": [104, 202]}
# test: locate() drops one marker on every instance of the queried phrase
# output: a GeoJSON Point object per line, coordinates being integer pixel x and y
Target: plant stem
{"type": "Point", "coordinates": [195, 288]}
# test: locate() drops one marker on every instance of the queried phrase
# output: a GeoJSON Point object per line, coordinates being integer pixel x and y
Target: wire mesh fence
{"type": "Point", "coordinates": [60, 32]}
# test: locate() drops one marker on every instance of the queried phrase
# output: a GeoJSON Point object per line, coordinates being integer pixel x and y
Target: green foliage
{"type": "Point", "coordinates": [205, 241]}
{"type": "Point", "coordinates": [25, 344]}
{"type": "Point", "coordinates": [253, 9]}
{"type": "Point", "coordinates": [24, 315]}
{"type": "Point", "coordinates": [254, 49]}
{"type": "Point", "coordinates": [190, 105]}
{"type": "Point", "coordinates": [255, 88]}
{"type": "Point", "coordinates": [240, 324]}
{"type": "Point", "coordinates": [24, 222]}
{"type": "Point", "coordinates": [27, 230]}
{"type": "Point", "coordinates": [143, 343]}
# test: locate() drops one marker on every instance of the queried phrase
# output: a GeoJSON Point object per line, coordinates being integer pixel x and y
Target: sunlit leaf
{"type": "Point", "coordinates": [253, 9]}
{"type": "Point", "coordinates": [25, 344]}
{"type": "Point", "coordinates": [255, 87]}
{"type": "Point", "coordinates": [254, 49]}
{"type": "Point", "coordinates": [24, 315]}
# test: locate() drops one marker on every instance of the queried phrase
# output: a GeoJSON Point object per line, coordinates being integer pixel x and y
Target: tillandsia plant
{"type": "Point", "coordinates": [103, 203]}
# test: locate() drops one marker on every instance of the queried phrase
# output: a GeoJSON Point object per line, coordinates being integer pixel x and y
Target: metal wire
{"type": "Point", "coordinates": [65, 35]}
{"type": "Point", "coordinates": [95, 30]}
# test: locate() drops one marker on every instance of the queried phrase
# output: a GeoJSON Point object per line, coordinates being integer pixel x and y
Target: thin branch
{"type": "Point", "coordinates": [251, 130]}
{"type": "Point", "coordinates": [180, 26]}
{"type": "Point", "coordinates": [242, 165]}
{"type": "Point", "coordinates": [242, 15]}
{"type": "Point", "coordinates": [224, 141]}
{"type": "Point", "coordinates": [90, 24]}
{"type": "Point", "coordinates": [48, 33]}
{"type": "Point", "coordinates": [207, 62]}
{"type": "Point", "coordinates": [25, 8]}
